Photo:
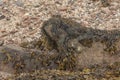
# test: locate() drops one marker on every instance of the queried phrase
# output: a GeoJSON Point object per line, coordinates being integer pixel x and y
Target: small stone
{"type": "Point", "coordinates": [19, 3]}
{"type": "Point", "coordinates": [1, 43]}
{"type": "Point", "coordinates": [1, 3]}
{"type": "Point", "coordinates": [2, 16]}
{"type": "Point", "coordinates": [106, 10]}
{"type": "Point", "coordinates": [105, 3]}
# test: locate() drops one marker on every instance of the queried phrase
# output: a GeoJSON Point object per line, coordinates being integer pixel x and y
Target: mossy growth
{"type": "Point", "coordinates": [111, 46]}
{"type": "Point", "coordinates": [58, 32]}
{"type": "Point", "coordinates": [47, 43]}
{"type": "Point", "coordinates": [66, 62]}
{"type": "Point", "coordinates": [111, 50]}
{"type": "Point", "coordinates": [6, 57]}
{"type": "Point", "coordinates": [42, 44]}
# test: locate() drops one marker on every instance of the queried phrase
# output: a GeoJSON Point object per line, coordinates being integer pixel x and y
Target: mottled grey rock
{"type": "Point", "coordinates": [91, 46]}
{"type": "Point", "coordinates": [68, 36]}
{"type": "Point", "coordinates": [15, 59]}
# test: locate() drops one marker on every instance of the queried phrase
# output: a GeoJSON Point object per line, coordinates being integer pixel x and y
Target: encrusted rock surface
{"type": "Point", "coordinates": [14, 59]}
{"type": "Point", "coordinates": [91, 46]}
{"type": "Point", "coordinates": [86, 74]}
{"type": "Point", "coordinates": [65, 45]}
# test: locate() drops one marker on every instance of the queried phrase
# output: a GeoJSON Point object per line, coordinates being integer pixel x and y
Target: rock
{"type": "Point", "coordinates": [91, 46]}
{"type": "Point", "coordinates": [1, 43]}
{"type": "Point", "coordinates": [65, 75]}
{"type": "Point", "coordinates": [1, 3]}
{"type": "Point", "coordinates": [69, 36]}
{"type": "Point", "coordinates": [71, 47]}
{"type": "Point", "coordinates": [19, 3]}
{"type": "Point", "coordinates": [105, 3]}
{"type": "Point", "coordinates": [15, 59]}
{"type": "Point", "coordinates": [1, 16]}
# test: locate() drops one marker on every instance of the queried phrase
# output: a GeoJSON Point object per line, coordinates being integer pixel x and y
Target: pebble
{"type": "Point", "coordinates": [1, 2]}
{"type": "Point", "coordinates": [19, 3]}
{"type": "Point", "coordinates": [2, 16]}
{"type": "Point", "coordinates": [1, 43]}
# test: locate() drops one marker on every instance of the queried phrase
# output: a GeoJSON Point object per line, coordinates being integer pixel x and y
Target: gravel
{"type": "Point", "coordinates": [21, 20]}
{"type": "Point", "coordinates": [4, 75]}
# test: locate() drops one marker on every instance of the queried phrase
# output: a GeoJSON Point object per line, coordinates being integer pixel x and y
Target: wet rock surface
{"type": "Point", "coordinates": [65, 45]}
